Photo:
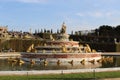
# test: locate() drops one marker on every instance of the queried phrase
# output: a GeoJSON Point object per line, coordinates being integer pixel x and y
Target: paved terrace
{"type": "Point", "coordinates": [9, 54]}
{"type": "Point", "coordinates": [38, 72]}
{"type": "Point", "coordinates": [111, 54]}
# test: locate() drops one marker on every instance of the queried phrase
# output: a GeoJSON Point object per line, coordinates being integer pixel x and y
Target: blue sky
{"type": "Point", "coordinates": [50, 14]}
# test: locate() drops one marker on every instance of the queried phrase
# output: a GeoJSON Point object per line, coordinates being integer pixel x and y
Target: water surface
{"type": "Point", "coordinates": [5, 65]}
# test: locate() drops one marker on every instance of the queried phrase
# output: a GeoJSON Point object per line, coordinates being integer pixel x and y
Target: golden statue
{"type": "Point", "coordinates": [63, 29]}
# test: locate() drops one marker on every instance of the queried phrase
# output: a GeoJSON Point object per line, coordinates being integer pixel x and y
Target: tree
{"type": "Point", "coordinates": [96, 32]}
{"type": "Point", "coordinates": [106, 30]}
{"type": "Point", "coordinates": [44, 30]}
{"type": "Point", "coordinates": [35, 31]}
{"type": "Point", "coordinates": [58, 31]}
{"type": "Point", "coordinates": [71, 32]}
{"type": "Point", "coordinates": [51, 31]}
{"type": "Point", "coordinates": [117, 30]}
{"type": "Point", "coordinates": [41, 30]}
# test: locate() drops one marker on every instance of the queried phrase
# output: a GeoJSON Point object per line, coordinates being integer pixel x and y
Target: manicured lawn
{"type": "Point", "coordinates": [80, 76]}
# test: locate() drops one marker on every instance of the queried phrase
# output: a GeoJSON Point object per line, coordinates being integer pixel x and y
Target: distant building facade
{"type": "Point", "coordinates": [3, 31]}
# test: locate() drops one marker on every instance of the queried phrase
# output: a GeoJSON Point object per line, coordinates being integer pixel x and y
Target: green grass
{"type": "Point", "coordinates": [73, 76]}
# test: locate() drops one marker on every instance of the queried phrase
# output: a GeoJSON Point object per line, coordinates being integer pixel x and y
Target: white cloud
{"type": "Point", "coordinates": [97, 14]}
{"type": "Point", "coordinates": [80, 14]}
{"type": "Point", "coordinates": [32, 1]}
{"type": "Point", "coordinates": [26, 1]}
